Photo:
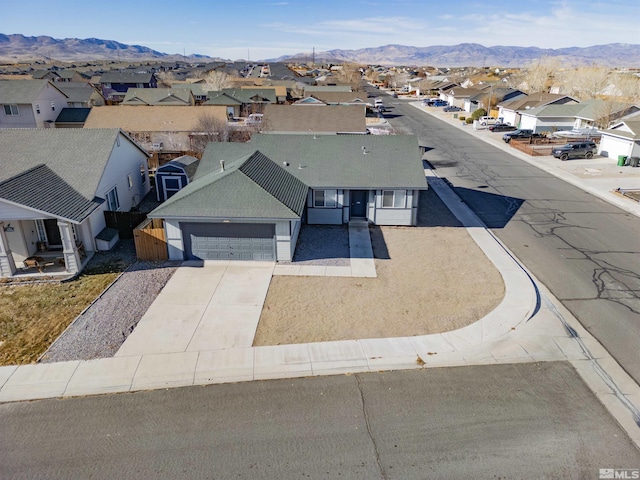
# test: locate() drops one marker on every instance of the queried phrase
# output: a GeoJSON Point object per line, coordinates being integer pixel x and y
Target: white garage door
{"type": "Point", "coordinates": [229, 241]}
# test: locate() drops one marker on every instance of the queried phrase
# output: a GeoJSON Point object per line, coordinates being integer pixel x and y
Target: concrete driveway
{"type": "Point", "coordinates": [203, 307]}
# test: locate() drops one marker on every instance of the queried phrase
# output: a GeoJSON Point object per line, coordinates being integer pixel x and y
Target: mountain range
{"type": "Point", "coordinates": [473, 54]}
{"type": "Point", "coordinates": [16, 47]}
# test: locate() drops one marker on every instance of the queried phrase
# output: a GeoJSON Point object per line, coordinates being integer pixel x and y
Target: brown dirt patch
{"type": "Point", "coordinates": [430, 280]}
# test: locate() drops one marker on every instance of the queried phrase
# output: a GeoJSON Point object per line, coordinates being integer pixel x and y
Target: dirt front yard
{"type": "Point", "coordinates": [431, 278]}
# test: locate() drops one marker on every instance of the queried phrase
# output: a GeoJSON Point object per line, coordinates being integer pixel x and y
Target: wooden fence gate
{"type": "Point", "coordinates": [151, 243]}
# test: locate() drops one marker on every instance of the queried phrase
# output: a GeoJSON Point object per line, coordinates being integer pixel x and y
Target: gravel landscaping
{"type": "Point", "coordinates": [102, 328]}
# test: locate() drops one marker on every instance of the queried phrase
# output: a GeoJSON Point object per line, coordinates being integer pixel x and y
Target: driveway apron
{"type": "Point", "coordinates": [203, 307]}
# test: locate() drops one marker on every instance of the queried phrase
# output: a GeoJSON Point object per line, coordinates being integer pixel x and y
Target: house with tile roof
{"type": "Point", "coordinates": [30, 103]}
{"type": "Point", "coordinates": [248, 200]}
{"type": "Point", "coordinates": [55, 185]}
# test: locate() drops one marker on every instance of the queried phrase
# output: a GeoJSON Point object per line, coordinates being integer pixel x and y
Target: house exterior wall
{"type": "Point", "coordinates": [612, 147]}
{"type": "Point", "coordinates": [24, 119]}
{"type": "Point", "coordinates": [284, 247]}
{"type": "Point", "coordinates": [547, 124]}
{"type": "Point", "coordinates": [48, 112]}
{"type": "Point", "coordinates": [396, 216]}
{"type": "Point", "coordinates": [326, 215]}
{"type": "Point", "coordinates": [125, 160]}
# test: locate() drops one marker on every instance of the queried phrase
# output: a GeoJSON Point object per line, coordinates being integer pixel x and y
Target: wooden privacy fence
{"type": "Point", "coordinates": [151, 243]}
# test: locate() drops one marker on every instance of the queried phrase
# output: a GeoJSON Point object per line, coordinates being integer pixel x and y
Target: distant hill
{"type": "Point", "coordinates": [473, 54]}
{"type": "Point", "coordinates": [20, 48]}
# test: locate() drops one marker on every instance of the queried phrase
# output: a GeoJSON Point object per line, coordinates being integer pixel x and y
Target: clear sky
{"type": "Point", "coordinates": [260, 29]}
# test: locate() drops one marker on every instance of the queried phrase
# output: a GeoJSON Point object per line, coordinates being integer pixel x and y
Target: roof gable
{"type": "Point", "coordinates": [24, 91]}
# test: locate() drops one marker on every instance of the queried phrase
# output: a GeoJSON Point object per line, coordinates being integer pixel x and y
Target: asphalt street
{"type": "Point", "coordinates": [508, 421]}
{"type": "Point", "coordinates": [586, 251]}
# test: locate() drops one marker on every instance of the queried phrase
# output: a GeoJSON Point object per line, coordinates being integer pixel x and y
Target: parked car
{"type": "Point", "coordinates": [575, 150]}
{"type": "Point", "coordinates": [520, 133]}
{"type": "Point", "coordinates": [502, 127]}
{"type": "Point", "coordinates": [439, 103]}
{"type": "Point", "coordinates": [486, 120]}
{"type": "Point", "coordinates": [451, 108]}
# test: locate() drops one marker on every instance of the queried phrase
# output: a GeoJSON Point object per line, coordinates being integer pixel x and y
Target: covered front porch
{"type": "Point", "coordinates": [42, 247]}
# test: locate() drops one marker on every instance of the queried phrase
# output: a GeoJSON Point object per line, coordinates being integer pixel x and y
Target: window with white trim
{"type": "Point", "coordinates": [38, 108]}
{"type": "Point", "coordinates": [325, 198]}
{"type": "Point", "coordinates": [53, 105]}
{"type": "Point", "coordinates": [143, 174]}
{"type": "Point", "coordinates": [112, 200]}
{"type": "Point", "coordinates": [11, 110]}
{"type": "Point", "coordinates": [394, 198]}
{"type": "Point", "coordinates": [130, 181]}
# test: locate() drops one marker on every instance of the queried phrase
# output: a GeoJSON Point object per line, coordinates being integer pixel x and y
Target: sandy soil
{"type": "Point", "coordinates": [431, 279]}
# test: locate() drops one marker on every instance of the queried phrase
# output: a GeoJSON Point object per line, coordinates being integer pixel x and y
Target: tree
{"type": "Point", "coordinates": [350, 74]}
{"type": "Point", "coordinates": [584, 83]}
{"type": "Point", "coordinates": [538, 77]}
{"type": "Point", "coordinates": [165, 79]}
{"type": "Point", "coordinates": [209, 128]}
{"type": "Point", "coordinates": [216, 81]}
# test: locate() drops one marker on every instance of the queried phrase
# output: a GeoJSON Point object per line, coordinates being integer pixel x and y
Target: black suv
{"type": "Point", "coordinates": [520, 133]}
{"type": "Point", "coordinates": [575, 150]}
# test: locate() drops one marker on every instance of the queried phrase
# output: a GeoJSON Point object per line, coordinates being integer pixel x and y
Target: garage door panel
{"type": "Point", "coordinates": [213, 241]}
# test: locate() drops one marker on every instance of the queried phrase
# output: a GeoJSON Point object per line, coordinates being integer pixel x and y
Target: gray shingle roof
{"type": "Point", "coordinates": [75, 161]}
{"type": "Point", "coordinates": [251, 187]}
{"type": "Point", "coordinates": [332, 161]}
{"type": "Point", "coordinates": [41, 189]}
{"type": "Point", "coordinates": [22, 91]}
{"type": "Point", "coordinates": [121, 77]}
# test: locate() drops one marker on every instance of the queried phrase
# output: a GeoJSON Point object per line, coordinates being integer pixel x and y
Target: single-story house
{"type": "Point", "coordinates": [56, 184]}
{"type": "Point", "coordinates": [248, 200]}
{"type": "Point", "coordinates": [623, 138]}
{"type": "Point", "coordinates": [321, 120]}
{"type": "Point", "coordinates": [241, 102]}
{"type": "Point", "coordinates": [510, 111]}
{"type": "Point", "coordinates": [173, 176]}
{"type": "Point", "coordinates": [457, 96]}
{"type": "Point", "coordinates": [114, 85]}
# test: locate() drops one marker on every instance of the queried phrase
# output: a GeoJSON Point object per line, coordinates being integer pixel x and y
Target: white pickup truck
{"type": "Point", "coordinates": [484, 122]}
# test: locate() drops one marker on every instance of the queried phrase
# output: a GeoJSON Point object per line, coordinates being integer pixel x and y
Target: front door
{"type": "Point", "coordinates": [53, 233]}
{"type": "Point", "coordinates": [359, 203]}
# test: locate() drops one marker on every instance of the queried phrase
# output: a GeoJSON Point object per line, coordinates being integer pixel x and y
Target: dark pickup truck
{"type": "Point", "coordinates": [520, 133]}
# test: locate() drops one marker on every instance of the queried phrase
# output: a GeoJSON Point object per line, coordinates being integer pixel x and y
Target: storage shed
{"type": "Point", "coordinates": [174, 176]}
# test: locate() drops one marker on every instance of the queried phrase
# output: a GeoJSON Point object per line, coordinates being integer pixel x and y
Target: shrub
{"type": "Point", "coordinates": [462, 119]}
{"type": "Point", "coordinates": [481, 112]}
{"type": "Point", "coordinates": [469, 120]}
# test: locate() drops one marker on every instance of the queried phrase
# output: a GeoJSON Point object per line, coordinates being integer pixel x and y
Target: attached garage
{"type": "Point", "coordinates": [229, 241]}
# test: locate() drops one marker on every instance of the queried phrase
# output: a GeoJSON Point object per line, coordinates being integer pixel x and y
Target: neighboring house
{"type": "Point", "coordinates": [279, 90]}
{"type": "Point", "coordinates": [157, 128]}
{"type": "Point", "coordinates": [81, 95]}
{"type": "Point", "coordinates": [114, 85]}
{"type": "Point", "coordinates": [623, 138]}
{"type": "Point", "coordinates": [159, 97]}
{"type": "Point", "coordinates": [320, 120]}
{"type": "Point", "coordinates": [510, 111]}
{"type": "Point", "coordinates": [588, 114]}
{"type": "Point", "coordinates": [30, 103]}
{"type": "Point", "coordinates": [62, 76]}
{"type": "Point", "coordinates": [248, 200]}
{"type": "Point", "coordinates": [173, 176]}
{"type": "Point", "coordinates": [72, 117]}
{"type": "Point", "coordinates": [493, 96]}
{"type": "Point", "coordinates": [197, 90]}
{"type": "Point", "coordinates": [335, 98]}
{"type": "Point", "coordinates": [457, 96]}
{"type": "Point", "coordinates": [241, 102]}
{"type": "Point", "coordinates": [55, 186]}
{"type": "Point", "coordinates": [314, 89]}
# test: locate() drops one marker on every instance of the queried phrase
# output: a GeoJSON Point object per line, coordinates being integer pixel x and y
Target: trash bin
{"type": "Point", "coordinates": [622, 160]}
{"type": "Point", "coordinates": [455, 115]}
{"type": "Point", "coordinates": [634, 161]}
